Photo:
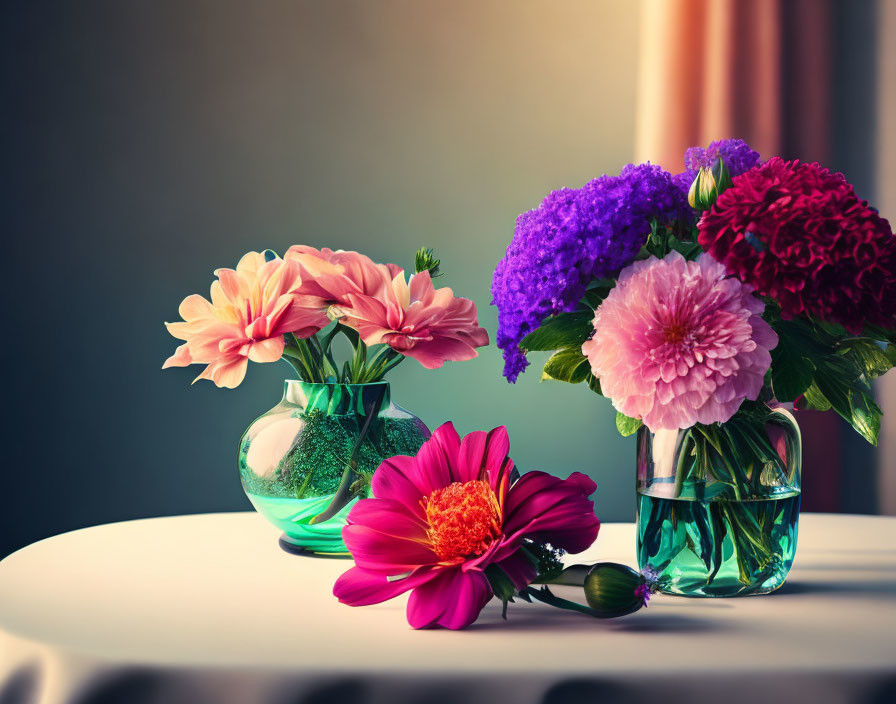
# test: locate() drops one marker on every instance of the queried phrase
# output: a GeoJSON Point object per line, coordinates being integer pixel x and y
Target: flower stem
{"type": "Point", "coordinates": [546, 596]}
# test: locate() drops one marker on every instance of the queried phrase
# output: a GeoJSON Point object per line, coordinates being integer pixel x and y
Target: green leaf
{"type": "Point", "coordinates": [627, 426]}
{"type": "Point", "coordinates": [597, 291]}
{"type": "Point", "coordinates": [792, 370]}
{"type": "Point", "coordinates": [880, 333]}
{"type": "Point", "coordinates": [867, 355]}
{"type": "Point", "coordinates": [689, 250]}
{"type": "Point", "coordinates": [850, 397]}
{"type": "Point", "coordinates": [425, 260]}
{"type": "Point", "coordinates": [594, 384]}
{"type": "Point", "coordinates": [568, 365]}
{"type": "Point", "coordinates": [866, 416]}
{"type": "Point", "coordinates": [558, 331]}
{"type": "Point", "coordinates": [815, 400]}
{"type": "Point", "coordinates": [502, 586]}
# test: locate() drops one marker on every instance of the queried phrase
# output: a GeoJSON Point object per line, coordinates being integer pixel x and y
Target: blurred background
{"type": "Point", "coordinates": [147, 143]}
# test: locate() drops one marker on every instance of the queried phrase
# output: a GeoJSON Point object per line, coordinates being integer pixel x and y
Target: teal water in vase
{"type": "Point", "coordinates": [701, 548]}
{"type": "Point", "coordinates": [291, 516]}
{"type": "Point", "coordinates": [308, 460]}
{"type": "Point", "coordinates": [718, 506]}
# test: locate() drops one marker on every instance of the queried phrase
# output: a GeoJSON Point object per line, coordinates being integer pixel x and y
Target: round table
{"type": "Point", "coordinates": [208, 608]}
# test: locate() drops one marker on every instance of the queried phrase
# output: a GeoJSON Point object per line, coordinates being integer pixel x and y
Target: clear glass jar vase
{"type": "Point", "coordinates": [305, 462]}
{"type": "Point", "coordinates": [718, 505]}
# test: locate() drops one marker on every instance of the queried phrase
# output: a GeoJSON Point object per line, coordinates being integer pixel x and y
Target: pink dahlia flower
{"type": "Point", "coordinates": [251, 309]}
{"type": "Point", "coordinates": [677, 343]}
{"type": "Point", "coordinates": [439, 520]}
{"type": "Point", "coordinates": [418, 320]}
{"type": "Point", "coordinates": [329, 276]}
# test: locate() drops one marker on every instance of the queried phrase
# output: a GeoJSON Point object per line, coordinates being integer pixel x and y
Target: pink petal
{"type": "Point", "coordinates": [519, 568]}
{"type": "Point", "coordinates": [390, 517]}
{"type": "Point", "coordinates": [421, 287]}
{"type": "Point", "coordinates": [386, 554]}
{"type": "Point", "coordinates": [225, 374]}
{"type": "Point", "coordinates": [231, 286]}
{"type": "Point", "coordinates": [392, 480]}
{"type": "Point", "coordinates": [433, 354]}
{"type": "Point", "coordinates": [436, 460]}
{"type": "Point", "coordinates": [555, 510]}
{"type": "Point", "coordinates": [452, 599]}
{"type": "Point", "coordinates": [195, 307]}
{"type": "Point", "coordinates": [356, 587]}
{"type": "Point", "coordinates": [269, 350]}
{"type": "Point", "coordinates": [180, 358]}
{"type": "Point", "coordinates": [480, 452]}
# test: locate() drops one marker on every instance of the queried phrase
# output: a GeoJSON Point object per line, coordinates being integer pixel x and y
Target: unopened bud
{"type": "Point", "coordinates": [703, 192]}
{"type": "Point", "coordinates": [710, 182]}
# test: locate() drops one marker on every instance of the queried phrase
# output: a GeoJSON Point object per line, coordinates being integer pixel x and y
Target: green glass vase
{"type": "Point", "coordinates": [718, 505]}
{"type": "Point", "coordinates": [305, 462]}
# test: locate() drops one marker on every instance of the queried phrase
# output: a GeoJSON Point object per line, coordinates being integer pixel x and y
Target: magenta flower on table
{"type": "Point", "coordinates": [251, 309]}
{"type": "Point", "coordinates": [678, 343]}
{"type": "Point", "coordinates": [418, 320]}
{"type": "Point", "coordinates": [437, 521]}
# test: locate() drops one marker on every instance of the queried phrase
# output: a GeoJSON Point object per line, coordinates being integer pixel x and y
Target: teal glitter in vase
{"type": "Point", "coordinates": [293, 458]}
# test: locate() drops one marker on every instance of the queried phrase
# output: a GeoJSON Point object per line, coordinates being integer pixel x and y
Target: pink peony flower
{"type": "Point", "coordinates": [439, 519]}
{"type": "Point", "coordinates": [677, 343]}
{"type": "Point", "coordinates": [251, 309]}
{"type": "Point", "coordinates": [418, 320]}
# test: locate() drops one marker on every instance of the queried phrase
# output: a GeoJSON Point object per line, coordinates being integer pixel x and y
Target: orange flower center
{"type": "Point", "coordinates": [675, 333]}
{"type": "Point", "coordinates": [464, 519]}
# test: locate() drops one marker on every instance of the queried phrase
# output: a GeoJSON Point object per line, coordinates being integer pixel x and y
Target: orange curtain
{"type": "Point", "coordinates": [754, 69]}
{"type": "Point", "coordinates": [886, 201]}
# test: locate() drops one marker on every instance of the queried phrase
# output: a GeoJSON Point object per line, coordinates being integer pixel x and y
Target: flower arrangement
{"type": "Point", "coordinates": [655, 289]}
{"type": "Point", "coordinates": [697, 301]}
{"type": "Point", "coordinates": [457, 525]}
{"type": "Point", "coordinates": [271, 308]}
{"type": "Point", "coordinates": [306, 460]}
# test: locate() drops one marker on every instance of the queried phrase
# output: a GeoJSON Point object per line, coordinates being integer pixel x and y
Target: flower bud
{"type": "Point", "coordinates": [703, 192]}
{"type": "Point", "coordinates": [721, 174]}
{"type": "Point", "coordinates": [613, 590]}
{"type": "Point", "coordinates": [710, 182]}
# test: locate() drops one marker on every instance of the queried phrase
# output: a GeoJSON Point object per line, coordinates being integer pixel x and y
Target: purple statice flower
{"type": "Point", "coordinates": [736, 153]}
{"type": "Point", "coordinates": [573, 237]}
{"type": "Point", "coordinates": [642, 592]}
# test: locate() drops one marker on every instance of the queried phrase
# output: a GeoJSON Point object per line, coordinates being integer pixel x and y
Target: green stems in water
{"type": "Point", "coordinates": [312, 358]}
{"type": "Point", "coordinates": [725, 484]}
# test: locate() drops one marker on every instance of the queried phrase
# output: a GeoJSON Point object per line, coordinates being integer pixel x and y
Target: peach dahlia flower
{"type": "Point", "coordinates": [251, 308]}
{"type": "Point", "coordinates": [329, 276]}
{"type": "Point", "coordinates": [418, 320]}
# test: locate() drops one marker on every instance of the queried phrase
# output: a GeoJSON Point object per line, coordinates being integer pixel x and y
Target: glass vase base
{"type": "Point", "coordinates": [287, 545]}
{"type": "Point", "coordinates": [717, 548]}
{"type": "Point", "coordinates": [292, 516]}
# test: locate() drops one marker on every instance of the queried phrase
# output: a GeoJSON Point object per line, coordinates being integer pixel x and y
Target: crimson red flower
{"type": "Point", "coordinates": [798, 233]}
{"type": "Point", "coordinates": [439, 520]}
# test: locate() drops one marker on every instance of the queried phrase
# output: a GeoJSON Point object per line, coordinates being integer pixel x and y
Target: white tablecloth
{"type": "Point", "coordinates": [208, 608]}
